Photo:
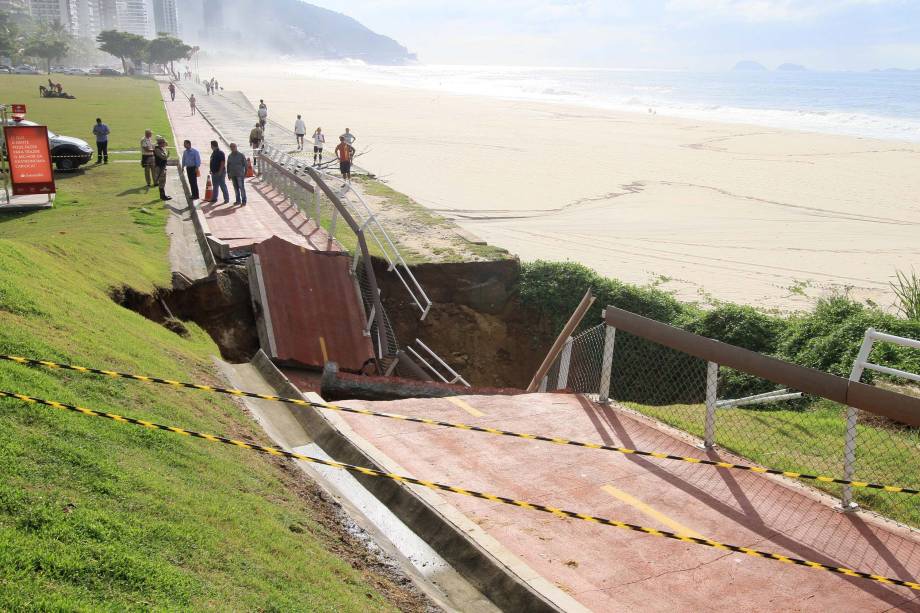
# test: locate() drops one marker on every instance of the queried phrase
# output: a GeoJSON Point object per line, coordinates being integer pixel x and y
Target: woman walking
{"type": "Point", "coordinates": [318, 141]}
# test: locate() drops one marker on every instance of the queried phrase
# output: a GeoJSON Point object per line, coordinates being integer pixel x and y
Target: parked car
{"type": "Point", "coordinates": [109, 72]}
{"type": "Point", "coordinates": [67, 152]}
{"type": "Point", "coordinates": [77, 72]}
{"type": "Point", "coordinates": [5, 69]}
{"type": "Point", "coordinates": [26, 69]}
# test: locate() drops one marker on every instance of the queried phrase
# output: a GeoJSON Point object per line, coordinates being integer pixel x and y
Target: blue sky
{"type": "Point", "coordinates": [701, 34]}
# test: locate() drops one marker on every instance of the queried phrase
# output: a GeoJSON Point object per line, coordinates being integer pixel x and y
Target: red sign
{"type": "Point", "coordinates": [18, 109]}
{"type": "Point", "coordinates": [29, 154]}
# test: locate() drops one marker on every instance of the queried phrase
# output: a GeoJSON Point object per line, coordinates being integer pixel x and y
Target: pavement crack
{"type": "Point", "coordinates": [672, 572]}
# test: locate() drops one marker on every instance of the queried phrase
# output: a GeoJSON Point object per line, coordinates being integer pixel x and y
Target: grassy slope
{"type": "Point", "coordinates": [100, 515]}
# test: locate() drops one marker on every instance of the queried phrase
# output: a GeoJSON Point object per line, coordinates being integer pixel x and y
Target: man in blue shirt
{"type": "Point", "coordinates": [191, 161]}
{"type": "Point", "coordinates": [218, 167]}
{"type": "Point", "coordinates": [102, 141]}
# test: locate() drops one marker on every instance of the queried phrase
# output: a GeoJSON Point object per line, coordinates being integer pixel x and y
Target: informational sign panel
{"type": "Point", "coordinates": [30, 160]}
{"type": "Point", "coordinates": [18, 110]}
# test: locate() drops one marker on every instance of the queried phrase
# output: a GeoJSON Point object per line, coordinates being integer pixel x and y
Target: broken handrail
{"type": "Point", "coordinates": [368, 220]}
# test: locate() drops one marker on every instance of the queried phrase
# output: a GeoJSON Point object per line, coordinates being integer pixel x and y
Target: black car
{"type": "Point", "coordinates": [109, 72]}
{"type": "Point", "coordinates": [67, 152]}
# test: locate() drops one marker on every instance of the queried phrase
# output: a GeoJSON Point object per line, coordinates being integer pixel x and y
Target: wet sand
{"type": "Point", "coordinates": [741, 213]}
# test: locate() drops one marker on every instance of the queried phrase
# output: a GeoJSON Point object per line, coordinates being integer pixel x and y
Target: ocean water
{"type": "Point", "coordinates": [869, 104]}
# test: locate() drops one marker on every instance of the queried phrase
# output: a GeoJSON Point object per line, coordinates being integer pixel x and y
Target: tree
{"type": "Point", "coordinates": [49, 42]}
{"type": "Point", "coordinates": [11, 34]}
{"type": "Point", "coordinates": [123, 45]}
{"type": "Point", "coordinates": [165, 49]}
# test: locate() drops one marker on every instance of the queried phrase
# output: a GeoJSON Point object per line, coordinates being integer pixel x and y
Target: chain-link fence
{"type": "Point", "coordinates": [749, 416]}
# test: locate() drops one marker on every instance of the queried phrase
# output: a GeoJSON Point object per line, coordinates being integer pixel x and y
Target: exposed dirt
{"type": "Point", "coordinates": [219, 304]}
{"type": "Point", "coordinates": [476, 323]}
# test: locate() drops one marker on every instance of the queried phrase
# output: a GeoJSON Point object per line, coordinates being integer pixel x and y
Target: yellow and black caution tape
{"type": "Point", "coordinates": [533, 506]}
{"type": "Point", "coordinates": [468, 427]}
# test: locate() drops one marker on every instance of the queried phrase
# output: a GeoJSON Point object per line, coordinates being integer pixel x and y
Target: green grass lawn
{"type": "Point", "coordinates": [96, 515]}
{"type": "Point", "coordinates": [811, 440]}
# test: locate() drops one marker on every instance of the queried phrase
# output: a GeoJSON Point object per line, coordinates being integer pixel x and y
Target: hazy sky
{"type": "Point", "coordinates": [830, 34]}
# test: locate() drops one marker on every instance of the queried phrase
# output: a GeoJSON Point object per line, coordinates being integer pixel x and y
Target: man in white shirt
{"type": "Point", "coordinates": [263, 114]}
{"type": "Point", "coordinates": [300, 130]}
{"type": "Point", "coordinates": [147, 157]}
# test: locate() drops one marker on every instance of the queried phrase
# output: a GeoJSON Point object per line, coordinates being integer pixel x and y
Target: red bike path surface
{"type": "Point", "coordinates": [268, 212]}
{"type": "Point", "coordinates": [606, 568]}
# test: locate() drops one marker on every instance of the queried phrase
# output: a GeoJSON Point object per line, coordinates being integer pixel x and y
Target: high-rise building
{"type": "Point", "coordinates": [165, 17]}
{"type": "Point", "coordinates": [107, 11]}
{"type": "Point", "coordinates": [51, 11]}
{"type": "Point", "coordinates": [132, 16]}
{"type": "Point", "coordinates": [14, 6]}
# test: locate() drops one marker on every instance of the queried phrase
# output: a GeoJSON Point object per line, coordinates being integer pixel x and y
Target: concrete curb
{"type": "Point", "coordinates": [484, 562]}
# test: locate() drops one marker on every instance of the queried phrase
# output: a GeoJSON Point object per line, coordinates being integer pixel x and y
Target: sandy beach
{"type": "Point", "coordinates": [730, 212]}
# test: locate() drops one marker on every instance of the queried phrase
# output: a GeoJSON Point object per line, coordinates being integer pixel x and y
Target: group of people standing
{"type": "Point", "coordinates": [211, 86]}
{"type": "Point", "coordinates": [154, 159]}
{"type": "Point", "coordinates": [221, 166]}
{"type": "Point", "coordinates": [344, 152]}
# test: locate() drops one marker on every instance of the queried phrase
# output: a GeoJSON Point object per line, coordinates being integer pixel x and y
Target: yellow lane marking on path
{"type": "Point", "coordinates": [466, 407]}
{"type": "Point", "coordinates": [650, 512]}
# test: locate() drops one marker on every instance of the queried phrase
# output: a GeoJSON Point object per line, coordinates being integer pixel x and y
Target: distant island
{"type": "Point", "coordinates": [791, 67]}
{"type": "Point", "coordinates": [749, 66]}
{"type": "Point", "coordinates": [288, 27]}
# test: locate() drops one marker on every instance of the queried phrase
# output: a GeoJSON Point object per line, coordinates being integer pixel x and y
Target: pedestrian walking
{"type": "Point", "coordinates": [191, 162]}
{"type": "Point", "coordinates": [102, 141]}
{"type": "Point", "coordinates": [172, 91]}
{"type": "Point", "coordinates": [147, 156]}
{"type": "Point", "coordinates": [236, 170]}
{"type": "Point", "coordinates": [207, 88]}
{"type": "Point", "coordinates": [318, 141]}
{"type": "Point", "coordinates": [256, 137]}
{"type": "Point", "coordinates": [300, 130]}
{"type": "Point", "coordinates": [263, 114]}
{"type": "Point", "coordinates": [192, 102]}
{"type": "Point", "coordinates": [218, 167]}
{"type": "Point", "coordinates": [343, 152]}
{"type": "Point", "coordinates": [161, 159]}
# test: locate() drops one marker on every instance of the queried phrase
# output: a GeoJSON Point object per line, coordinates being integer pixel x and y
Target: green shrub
{"type": "Point", "coordinates": [554, 289]}
{"type": "Point", "coordinates": [829, 337]}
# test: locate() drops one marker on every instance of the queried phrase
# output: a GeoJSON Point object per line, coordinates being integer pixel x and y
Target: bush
{"type": "Point", "coordinates": [554, 289]}
{"type": "Point", "coordinates": [829, 338]}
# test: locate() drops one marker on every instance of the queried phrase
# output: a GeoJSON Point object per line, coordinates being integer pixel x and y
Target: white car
{"type": "Point", "coordinates": [25, 69]}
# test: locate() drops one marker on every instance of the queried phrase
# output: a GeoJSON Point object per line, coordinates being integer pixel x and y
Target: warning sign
{"type": "Point", "coordinates": [30, 160]}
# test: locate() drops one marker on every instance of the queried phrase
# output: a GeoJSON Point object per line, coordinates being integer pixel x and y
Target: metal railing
{"type": "Point", "coordinates": [770, 412]}
{"type": "Point", "coordinates": [363, 215]}
{"type": "Point", "coordinates": [439, 366]}
{"type": "Point", "coordinates": [860, 364]}
{"type": "Point", "coordinates": [296, 188]}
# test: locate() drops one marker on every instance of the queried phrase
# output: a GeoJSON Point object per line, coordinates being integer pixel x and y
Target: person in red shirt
{"type": "Point", "coordinates": [343, 153]}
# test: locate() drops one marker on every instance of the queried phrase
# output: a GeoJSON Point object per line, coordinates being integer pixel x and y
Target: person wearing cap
{"type": "Point", "coordinates": [236, 170]}
{"type": "Point", "coordinates": [161, 158]}
{"type": "Point", "coordinates": [147, 157]}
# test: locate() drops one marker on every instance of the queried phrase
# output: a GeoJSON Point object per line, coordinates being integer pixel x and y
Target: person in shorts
{"type": "Point", "coordinates": [344, 154]}
{"type": "Point", "coordinates": [318, 141]}
{"type": "Point", "coordinates": [300, 130]}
